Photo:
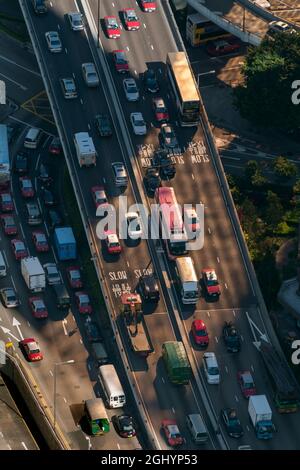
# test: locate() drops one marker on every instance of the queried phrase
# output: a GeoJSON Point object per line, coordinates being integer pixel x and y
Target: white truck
{"type": "Point", "coordinates": [33, 274]}
{"type": "Point", "coordinates": [85, 149]}
{"type": "Point", "coordinates": [261, 416]}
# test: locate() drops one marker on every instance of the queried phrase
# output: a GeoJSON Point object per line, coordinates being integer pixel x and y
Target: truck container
{"type": "Point", "coordinates": [96, 415]}
{"type": "Point", "coordinates": [33, 274]}
{"type": "Point", "coordinates": [99, 353]}
{"type": "Point", "coordinates": [176, 362]}
{"type": "Point", "coordinates": [261, 416]}
{"type": "Point", "coordinates": [65, 243]}
{"type": "Point", "coordinates": [85, 149]}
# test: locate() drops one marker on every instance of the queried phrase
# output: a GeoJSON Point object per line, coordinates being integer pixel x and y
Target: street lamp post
{"type": "Point", "coordinates": [71, 361]}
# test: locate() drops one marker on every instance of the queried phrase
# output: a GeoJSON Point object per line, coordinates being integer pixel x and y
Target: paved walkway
{"type": "Point", "coordinates": [14, 433]}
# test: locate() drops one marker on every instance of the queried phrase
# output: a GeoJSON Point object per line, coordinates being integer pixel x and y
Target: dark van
{"type": "Point", "coordinates": [63, 300]}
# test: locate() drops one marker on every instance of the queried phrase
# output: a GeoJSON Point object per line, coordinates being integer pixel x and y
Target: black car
{"type": "Point", "coordinates": [151, 82]}
{"type": "Point", "coordinates": [21, 163]}
{"type": "Point", "coordinates": [124, 425]}
{"type": "Point", "coordinates": [231, 337]}
{"type": "Point", "coordinates": [103, 125]}
{"type": "Point", "coordinates": [163, 162]}
{"type": "Point", "coordinates": [54, 219]}
{"type": "Point", "coordinates": [167, 137]}
{"type": "Point", "coordinates": [148, 287]}
{"type": "Point", "coordinates": [93, 331]}
{"type": "Point", "coordinates": [152, 180]}
{"type": "Point", "coordinates": [232, 423]}
{"type": "Point", "coordinates": [44, 175]}
{"type": "Point", "coordinates": [48, 197]}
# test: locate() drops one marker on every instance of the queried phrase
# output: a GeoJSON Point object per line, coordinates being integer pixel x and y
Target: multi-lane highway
{"type": "Point", "coordinates": [160, 398]}
{"type": "Point", "coordinates": [196, 180]}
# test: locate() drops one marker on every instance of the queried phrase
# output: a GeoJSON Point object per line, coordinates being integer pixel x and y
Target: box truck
{"type": "Point", "coordinates": [261, 416]}
{"type": "Point", "coordinates": [33, 274]}
{"type": "Point", "coordinates": [65, 243]}
{"type": "Point", "coordinates": [85, 149]}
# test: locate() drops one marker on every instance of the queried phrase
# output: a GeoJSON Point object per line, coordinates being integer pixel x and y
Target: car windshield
{"type": "Point", "coordinates": [212, 282]}
{"type": "Point", "coordinates": [121, 59]}
{"type": "Point", "coordinates": [201, 333]}
{"type": "Point", "coordinates": [131, 87]}
{"type": "Point", "coordinates": [6, 198]}
{"type": "Point", "coordinates": [9, 223]}
{"type": "Point", "coordinates": [75, 275]}
{"type": "Point", "coordinates": [112, 25]}
{"type": "Point", "coordinates": [34, 351]}
{"type": "Point", "coordinates": [175, 436]}
{"type": "Point", "coordinates": [92, 75]}
{"type": "Point", "coordinates": [114, 244]}
{"type": "Point", "coordinates": [139, 122]}
{"type": "Point", "coordinates": [213, 371]}
{"type": "Point", "coordinates": [55, 42]}
{"type": "Point", "coordinates": [11, 297]}
{"type": "Point", "coordinates": [27, 184]}
{"type": "Point", "coordinates": [77, 21]}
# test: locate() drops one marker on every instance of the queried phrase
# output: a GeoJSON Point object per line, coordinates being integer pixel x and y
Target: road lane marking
{"type": "Point", "coordinates": [209, 231]}
{"type": "Point", "coordinates": [24, 445]}
{"type": "Point", "coordinates": [208, 314]}
{"type": "Point", "coordinates": [81, 101]}
{"type": "Point", "coordinates": [118, 446]}
{"type": "Point", "coordinates": [22, 230]}
{"type": "Point", "coordinates": [233, 311]}
{"type": "Point", "coordinates": [51, 373]}
{"type": "Point", "coordinates": [144, 25]}
{"type": "Point", "coordinates": [37, 162]}
{"type": "Point", "coordinates": [66, 50]}
{"type": "Point", "coordinates": [80, 341]}
{"type": "Point", "coordinates": [236, 398]}
{"type": "Point", "coordinates": [193, 176]}
{"type": "Point", "coordinates": [226, 285]}
{"type": "Point", "coordinates": [218, 259]}
{"type": "Point", "coordinates": [226, 368]}
{"type": "Point", "coordinates": [5, 257]}
{"type": "Point", "coordinates": [173, 410]}
{"type": "Point", "coordinates": [24, 88]}
{"type": "Point", "coordinates": [252, 368]}
{"type": "Point", "coordinates": [242, 337]}
{"type": "Point", "coordinates": [54, 254]}
{"type": "Point", "coordinates": [13, 282]}
{"type": "Point", "coordinates": [64, 400]}
{"type": "Point", "coordinates": [28, 324]}
{"type": "Point", "coordinates": [8, 446]}
{"type": "Point", "coordinates": [151, 45]}
{"type": "Point", "coordinates": [247, 427]}
{"type": "Point", "coordinates": [163, 380]}
{"type": "Point", "coordinates": [20, 66]}
{"type": "Point", "coordinates": [64, 322]}
{"type": "Point", "coordinates": [216, 339]}
{"type": "Point", "coordinates": [128, 263]}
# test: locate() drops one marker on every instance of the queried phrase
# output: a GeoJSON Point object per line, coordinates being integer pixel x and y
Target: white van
{"type": "Point", "coordinates": [197, 428]}
{"type": "Point", "coordinates": [188, 281]}
{"type": "Point", "coordinates": [32, 138]}
{"type": "Point", "coordinates": [2, 265]}
{"type": "Point", "coordinates": [211, 368]}
{"type": "Point", "coordinates": [111, 386]}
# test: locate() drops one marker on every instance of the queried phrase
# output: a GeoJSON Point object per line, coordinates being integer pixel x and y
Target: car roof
{"type": "Point", "coordinates": [199, 324]}
{"type": "Point", "coordinates": [112, 238]}
{"type": "Point", "coordinates": [159, 102]}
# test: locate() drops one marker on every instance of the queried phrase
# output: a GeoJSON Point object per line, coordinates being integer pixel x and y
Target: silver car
{"type": "Point", "coordinates": [52, 274]}
{"type": "Point", "coordinates": [75, 20]}
{"type": "Point", "coordinates": [120, 174]}
{"type": "Point", "coordinates": [131, 89]}
{"type": "Point", "coordinates": [53, 41]}
{"type": "Point", "coordinates": [89, 74]}
{"type": "Point", "coordinates": [9, 297]}
{"type": "Point", "coordinates": [68, 88]}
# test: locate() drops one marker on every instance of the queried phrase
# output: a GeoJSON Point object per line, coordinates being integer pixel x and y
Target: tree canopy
{"type": "Point", "coordinates": [269, 71]}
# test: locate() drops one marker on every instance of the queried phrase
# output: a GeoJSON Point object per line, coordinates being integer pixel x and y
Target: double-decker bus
{"type": "Point", "coordinates": [200, 30]}
{"type": "Point", "coordinates": [4, 158]}
{"type": "Point", "coordinates": [171, 223]}
{"type": "Point", "coordinates": [184, 88]}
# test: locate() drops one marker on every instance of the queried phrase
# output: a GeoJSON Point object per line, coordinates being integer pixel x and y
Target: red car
{"type": "Point", "coordinates": [222, 47]}
{"type": "Point", "coordinates": [99, 196]}
{"type": "Point", "coordinates": [31, 349]}
{"type": "Point", "coordinates": [112, 243]}
{"type": "Point", "coordinates": [211, 283]}
{"type": "Point", "coordinates": [246, 383]}
{"type": "Point", "coordinates": [38, 307]}
{"type": "Point", "coordinates": [74, 277]}
{"type": "Point", "coordinates": [148, 6]}
{"type": "Point", "coordinates": [112, 27]}
{"type": "Point", "coordinates": [9, 224]}
{"type": "Point", "coordinates": [26, 186]}
{"type": "Point", "coordinates": [160, 110]}
{"type": "Point", "coordinates": [199, 333]}
{"type": "Point", "coordinates": [6, 202]}
{"type": "Point", "coordinates": [120, 61]}
{"type": "Point", "coordinates": [83, 302]}
{"type": "Point", "coordinates": [55, 146]}
{"type": "Point", "coordinates": [131, 20]}
{"type": "Point", "coordinates": [40, 241]}
{"type": "Point", "coordinates": [172, 433]}
{"type": "Point", "coordinates": [19, 249]}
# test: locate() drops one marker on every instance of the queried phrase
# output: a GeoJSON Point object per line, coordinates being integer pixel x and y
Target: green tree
{"type": "Point", "coordinates": [296, 187]}
{"type": "Point", "coordinates": [234, 189]}
{"type": "Point", "coordinates": [269, 71]}
{"type": "Point", "coordinates": [284, 168]}
{"type": "Point", "coordinates": [250, 169]}
{"type": "Point", "coordinates": [274, 211]}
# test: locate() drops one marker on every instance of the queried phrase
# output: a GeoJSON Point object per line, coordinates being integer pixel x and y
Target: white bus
{"type": "Point", "coordinates": [184, 88]}
{"type": "Point", "coordinates": [188, 281]}
{"type": "Point", "coordinates": [111, 386]}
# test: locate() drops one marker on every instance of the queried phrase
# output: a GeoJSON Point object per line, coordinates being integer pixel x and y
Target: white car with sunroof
{"type": "Point", "coordinates": [138, 123]}
{"type": "Point", "coordinates": [131, 89]}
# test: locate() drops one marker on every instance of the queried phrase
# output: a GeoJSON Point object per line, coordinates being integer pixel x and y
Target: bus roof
{"type": "Point", "coordinates": [176, 354]}
{"type": "Point", "coordinates": [96, 408]}
{"type": "Point", "coordinates": [4, 155]}
{"type": "Point", "coordinates": [186, 269]}
{"type": "Point", "coordinates": [170, 209]}
{"type": "Point", "coordinates": [184, 76]}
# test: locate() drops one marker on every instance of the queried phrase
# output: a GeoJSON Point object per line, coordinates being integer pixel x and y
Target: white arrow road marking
{"type": "Point", "coordinates": [64, 323]}
{"type": "Point", "coordinates": [7, 331]}
{"type": "Point", "coordinates": [17, 324]}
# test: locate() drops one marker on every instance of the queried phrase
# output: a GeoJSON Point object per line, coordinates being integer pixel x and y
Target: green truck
{"type": "Point", "coordinates": [176, 362]}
